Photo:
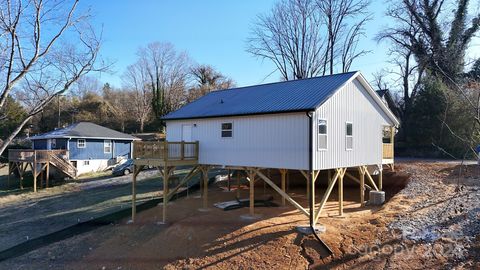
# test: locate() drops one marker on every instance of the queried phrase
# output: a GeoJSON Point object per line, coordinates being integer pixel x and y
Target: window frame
{"type": "Point", "coordinates": [53, 143]}
{"type": "Point", "coordinates": [322, 134]}
{"type": "Point", "coordinates": [222, 130]}
{"type": "Point", "coordinates": [348, 136]}
{"type": "Point", "coordinates": [105, 146]}
{"type": "Point", "coordinates": [79, 145]}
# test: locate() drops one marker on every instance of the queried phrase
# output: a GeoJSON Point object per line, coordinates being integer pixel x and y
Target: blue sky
{"type": "Point", "coordinates": [211, 31]}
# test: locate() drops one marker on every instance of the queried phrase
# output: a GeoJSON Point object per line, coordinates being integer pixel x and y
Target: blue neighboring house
{"type": "Point", "coordinates": [91, 147]}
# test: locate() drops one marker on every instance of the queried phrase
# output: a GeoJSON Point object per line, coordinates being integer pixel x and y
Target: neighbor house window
{"type": "Point", "coordinates": [107, 146]}
{"type": "Point", "coordinates": [227, 130]}
{"type": "Point", "coordinates": [86, 162]}
{"type": "Point", "coordinates": [54, 143]}
{"type": "Point", "coordinates": [349, 136]}
{"type": "Point", "coordinates": [322, 134]}
{"type": "Point", "coordinates": [81, 143]}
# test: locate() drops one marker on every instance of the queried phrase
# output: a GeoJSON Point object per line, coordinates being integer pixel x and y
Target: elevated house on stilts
{"type": "Point", "coordinates": [333, 123]}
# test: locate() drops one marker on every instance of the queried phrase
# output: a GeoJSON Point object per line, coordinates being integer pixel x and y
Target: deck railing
{"type": "Point", "coordinates": [29, 155]}
{"type": "Point", "coordinates": [165, 150]}
{"type": "Point", "coordinates": [388, 150]}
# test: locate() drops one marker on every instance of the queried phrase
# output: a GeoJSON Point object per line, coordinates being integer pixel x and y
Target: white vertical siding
{"type": "Point", "coordinates": [353, 104]}
{"type": "Point", "coordinates": [271, 141]}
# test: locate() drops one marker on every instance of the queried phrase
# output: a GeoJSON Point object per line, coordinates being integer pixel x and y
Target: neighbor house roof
{"type": "Point", "coordinates": [84, 130]}
{"type": "Point", "coordinates": [289, 96]}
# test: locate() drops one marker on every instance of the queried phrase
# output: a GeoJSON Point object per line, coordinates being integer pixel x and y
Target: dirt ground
{"type": "Point", "coordinates": [430, 221]}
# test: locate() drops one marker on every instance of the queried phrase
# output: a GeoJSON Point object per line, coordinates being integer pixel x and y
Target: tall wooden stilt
{"type": "Point", "coordinates": [362, 185]}
{"type": "Point", "coordinates": [228, 180]}
{"type": "Point", "coordinates": [166, 176]}
{"type": "Point", "coordinates": [283, 172]}
{"type": "Point", "coordinates": [47, 173]}
{"type": "Point", "coordinates": [205, 187]}
{"type": "Point", "coordinates": [8, 176]}
{"type": "Point", "coordinates": [238, 184]}
{"type": "Point", "coordinates": [134, 193]}
{"type": "Point", "coordinates": [251, 175]}
{"type": "Point", "coordinates": [34, 172]}
{"type": "Point", "coordinates": [380, 178]}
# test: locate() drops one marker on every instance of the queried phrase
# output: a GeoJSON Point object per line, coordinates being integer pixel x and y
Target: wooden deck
{"type": "Point", "coordinates": [39, 162]}
{"type": "Point", "coordinates": [165, 153]}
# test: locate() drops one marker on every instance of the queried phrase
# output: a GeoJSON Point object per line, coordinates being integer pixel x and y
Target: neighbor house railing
{"type": "Point", "coordinates": [31, 154]}
{"type": "Point", "coordinates": [388, 150]}
{"type": "Point", "coordinates": [165, 150]}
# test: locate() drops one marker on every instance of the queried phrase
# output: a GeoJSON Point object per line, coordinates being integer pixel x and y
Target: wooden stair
{"type": "Point", "coordinates": [63, 165]}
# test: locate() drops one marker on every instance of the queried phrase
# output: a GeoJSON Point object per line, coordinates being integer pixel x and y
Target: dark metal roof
{"type": "Point", "coordinates": [281, 97]}
{"type": "Point", "coordinates": [84, 130]}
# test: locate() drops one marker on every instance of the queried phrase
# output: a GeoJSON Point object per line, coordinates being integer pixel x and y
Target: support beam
{"type": "Point", "coordinates": [136, 171]}
{"type": "Point", "coordinates": [283, 173]}
{"type": "Point", "coordinates": [228, 179]}
{"type": "Point", "coordinates": [283, 194]}
{"type": "Point", "coordinates": [352, 177]}
{"type": "Point", "coordinates": [205, 186]}
{"type": "Point", "coordinates": [251, 175]}
{"type": "Point", "coordinates": [338, 172]}
{"type": "Point", "coordinates": [47, 172]}
{"type": "Point", "coordinates": [380, 178]}
{"type": "Point", "coordinates": [238, 184]}
{"type": "Point", "coordinates": [369, 177]}
{"type": "Point", "coordinates": [194, 171]}
{"type": "Point", "coordinates": [34, 172]}
{"type": "Point", "coordinates": [307, 177]}
{"type": "Point", "coordinates": [361, 172]}
{"type": "Point", "coordinates": [166, 175]}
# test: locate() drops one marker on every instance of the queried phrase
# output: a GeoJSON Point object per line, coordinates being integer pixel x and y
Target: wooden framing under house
{"type": "Point", "coordinates": [164, 156]}
{"type": "Point", "coordinates": [39, 162]}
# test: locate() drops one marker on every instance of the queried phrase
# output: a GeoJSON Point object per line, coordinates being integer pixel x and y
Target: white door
{"type": "Point", "coordinates": [187, 137]}
{"type": "Point", "coordinates": [187, 133]}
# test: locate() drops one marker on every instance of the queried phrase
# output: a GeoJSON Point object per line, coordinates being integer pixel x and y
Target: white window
{"type": "Point", "coordinates": [81, 143]}
{"type": "Point", "coordinates": [227, 130]}
{"type": "Point", "coordinates": [322, 134]}
{"type": "Point", "coordinates": [54, 143]}
{"type": "Point", "coordinates": [86, 162]}
{"type": "Point", "coordinates": [107, 146]}
{"type": "Point", "coordinates": [348, 135]}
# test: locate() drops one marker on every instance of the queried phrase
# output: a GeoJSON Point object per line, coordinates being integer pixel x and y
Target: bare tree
{"type": "Point", "coordinates": [167, 72]}
{"type": "Point", "coordinates": [135, 79]}
{"type": "Point", "coordinates": [207, 79]}
{"type": "Point", "coordinates": [38, 62]}
{"type": "Point", "coordinates": [305, 38]}
{"type": "Point", "coordinates": [291, 37]}
{"type": "Point", "coordinates": [344, 21]}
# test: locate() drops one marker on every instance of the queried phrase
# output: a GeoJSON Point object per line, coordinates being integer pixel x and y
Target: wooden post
{"type": "Point", "coordinates": [21, 174]}
{"type": "Point", "coordinates": [34, 172]}
{"type": "Point", "coordinates": [251, 175]}
{"type": "Point", "coordinates": [329, 176]}
{"type": "Point", "coordinates": [228, 179]}
{"type": "Point", "coordinates": [340, 195]}
{"type": "Point", "coordinates": [362, 185]}
{"type": "Point", "coordinates": [283, 172]}
{"type": "Point", "coordinates": [47, 172]}
{"type": "Point", "coordinates": [182, 149]}
{"type": "Point", "coordinates": [166, 175]}
{"type": "Point", "coordinates": [205, 187]}
{"type": "Point", "coordinates": [380, 178]}
{"type": "Point", "coordinates": [238, 184]}
{"type": "Point", "coordinates": [134, 193]}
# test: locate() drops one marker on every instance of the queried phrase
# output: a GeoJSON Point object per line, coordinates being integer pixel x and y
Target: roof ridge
{"type": "Point", "coordinates": [289, 81]}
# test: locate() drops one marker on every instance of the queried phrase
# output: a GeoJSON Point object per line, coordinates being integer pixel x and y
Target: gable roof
{"type": "Point", "coordinates": [85, 130]}
{"type": "Point", "coordinates": [282, 97]}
